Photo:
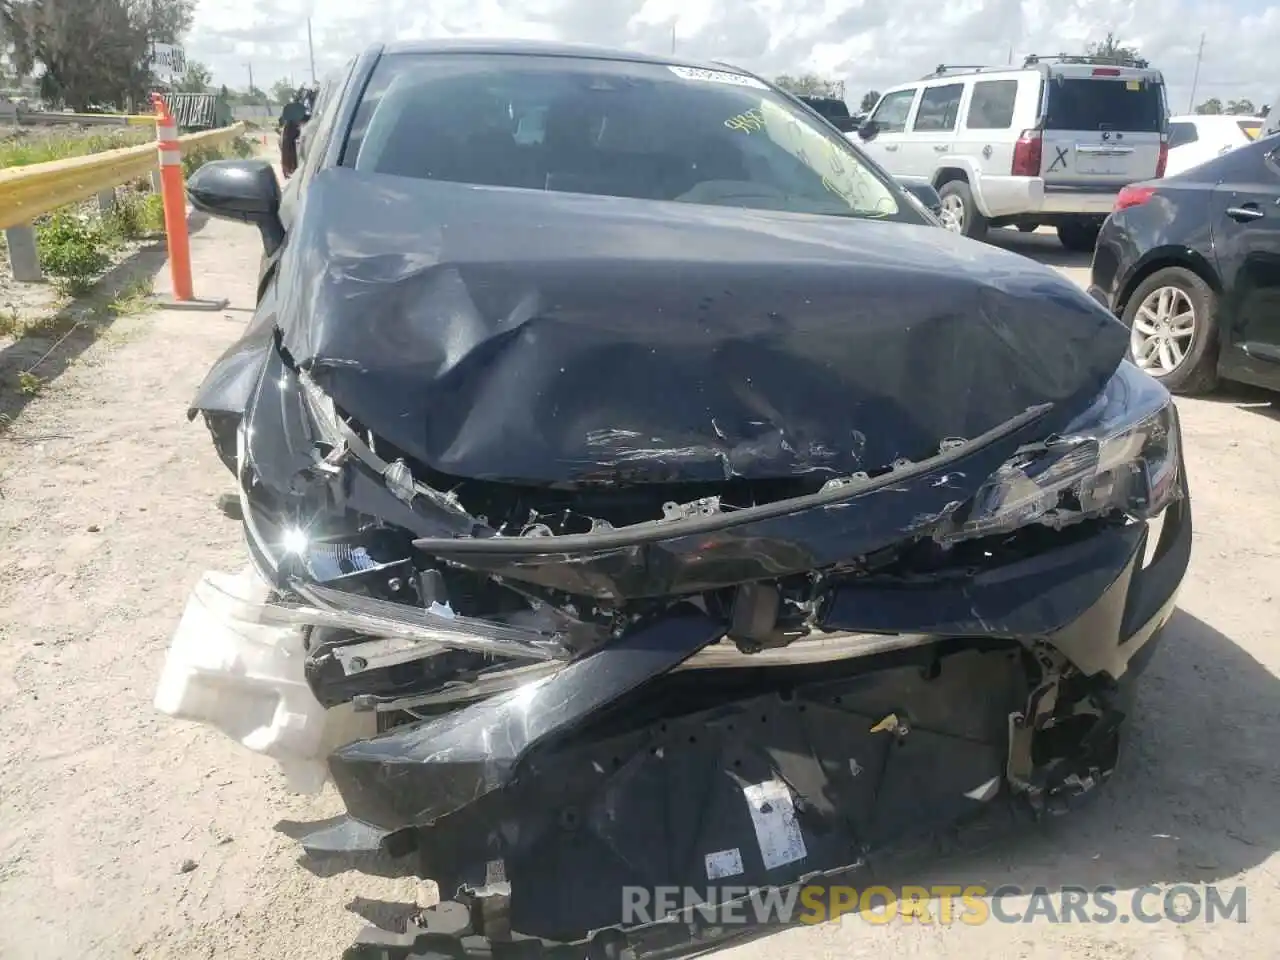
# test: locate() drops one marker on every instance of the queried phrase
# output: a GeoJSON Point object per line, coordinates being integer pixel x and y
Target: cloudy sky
{"type": "Point", "coordinates": [870, 44]}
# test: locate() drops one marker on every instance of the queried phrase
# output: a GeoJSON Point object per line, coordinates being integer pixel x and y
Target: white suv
{"type": "Point", "coordinates": [1051, 142]}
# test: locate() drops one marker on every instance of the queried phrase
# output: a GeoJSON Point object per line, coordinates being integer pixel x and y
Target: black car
{"type": "Point", "coordinates": [1191, 264]}
{"type": "Point", "coordinates": [658, 498]}
{"type": "Point", "coordinates": [833, 109]}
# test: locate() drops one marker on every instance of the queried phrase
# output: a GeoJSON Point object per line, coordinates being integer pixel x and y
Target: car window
{"type": "Point", "coordinates": [1130, 106]}
{"type": "Point", "coordinates": [609, 128]}
{"type": "Point", "coordinates": [991, 106]}
{"type": "Point", "coordinates": [1182, 132]}
{"type": "Point", "coordinates": [322, 119]}
{"type": "Point", "coordinates": [939, 108]}
{"type": "Point", "coordinates": [891, 114]}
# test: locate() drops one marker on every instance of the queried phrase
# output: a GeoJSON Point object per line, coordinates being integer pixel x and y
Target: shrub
{"type": "Point", "coordinates": [72, 249]}
{"type": "Point", "coordinates": [152, 213]}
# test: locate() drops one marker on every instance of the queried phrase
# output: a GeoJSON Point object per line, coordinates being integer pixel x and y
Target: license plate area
{"type": "Point", "coordinates": [1100, 162]}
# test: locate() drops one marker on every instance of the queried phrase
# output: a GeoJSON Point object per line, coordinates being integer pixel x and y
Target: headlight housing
{"type": "Point", "coordinates": [324, 415]}
{"type": "Point", "coordinates": [1119, 456]}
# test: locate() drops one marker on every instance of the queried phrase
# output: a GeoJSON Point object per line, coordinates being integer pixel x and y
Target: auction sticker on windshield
{"type": "Point", "coordinates": [717, 76]}
{"type": "Point", "coordinates": [841, 175]}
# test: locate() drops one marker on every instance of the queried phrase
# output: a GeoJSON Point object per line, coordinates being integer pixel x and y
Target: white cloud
{"type": "Point", "coordinates": [870, 44]}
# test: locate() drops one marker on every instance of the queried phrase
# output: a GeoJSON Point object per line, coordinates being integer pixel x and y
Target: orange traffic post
{"type": "Point", "coordinates": [175, 200]}
{"type": "Point", "coordinates": [174, 195]}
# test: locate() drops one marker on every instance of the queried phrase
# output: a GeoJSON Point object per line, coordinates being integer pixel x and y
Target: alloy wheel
{"type": "Point", "coordinates": [953, 213]}
{"type": "Point", "coordinates": [1163, 330]}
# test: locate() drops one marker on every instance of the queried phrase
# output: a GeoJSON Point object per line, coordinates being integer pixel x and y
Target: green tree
{"type": "Point", "coordinates": [1112, 48]}
{"type": "Point", "coordinates": [1242, 106]}
{"type": "Point", "coordinates": [195, 80]}
{"type": "Point", "coordinates": [1211, 106]}
{"type": "Point", "coordinates": [808, 85]}
{"type": "Point", "coordinates": [91, 51]}
{"type": "Point", "coordinates": [282, 91]}
{"type": "Point", "coordinates": [869, 100]}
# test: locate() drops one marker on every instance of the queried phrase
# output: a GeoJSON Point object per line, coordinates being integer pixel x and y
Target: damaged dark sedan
{"type": "Point", "coordinates": [641, 491]}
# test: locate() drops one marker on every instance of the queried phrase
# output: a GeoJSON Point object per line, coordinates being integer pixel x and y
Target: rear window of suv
{"type": "Point", "coordinates": [1080, 103]}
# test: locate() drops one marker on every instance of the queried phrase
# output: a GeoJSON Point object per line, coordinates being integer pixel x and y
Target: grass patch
{"type": "Point", "coordinates": [132, 300]}
{"type": "Point", "coordinates": [136, 215]}
{"type": "Point", "coordinates": [25, 149]}
{"type": "Point", "coordinates": [152, 213]}
{"type": "Point", "coordinates": [11, 324]}
{"type": "Point", "coordinates": [241, 147]}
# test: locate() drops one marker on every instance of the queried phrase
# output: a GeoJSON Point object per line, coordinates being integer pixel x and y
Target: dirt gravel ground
{"type": "Point", "coordinates": [124, 834]}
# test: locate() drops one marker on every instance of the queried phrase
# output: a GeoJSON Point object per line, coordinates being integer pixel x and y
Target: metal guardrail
{"type": "Point", "coordinates": [29, 191]}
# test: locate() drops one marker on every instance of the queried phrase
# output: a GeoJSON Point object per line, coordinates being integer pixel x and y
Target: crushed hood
{"type": "Point", "coordinates": [555, 338]}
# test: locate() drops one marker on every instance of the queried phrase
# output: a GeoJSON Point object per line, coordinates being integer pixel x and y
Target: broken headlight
{"type": "Point", "coordinates": [1119, 456]}
{"type": "Point", "coordinates": [324, 415]}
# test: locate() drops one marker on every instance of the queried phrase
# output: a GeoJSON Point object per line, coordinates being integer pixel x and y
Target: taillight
{"type": "Point", "coordinates": [1163, 162]}
{"type": "Point", "coordinates": [1133, 197]}
{"type": "Point", "coordinates": [1106, 71]}
{"type": "Point", "coordinates": [1027, 154]}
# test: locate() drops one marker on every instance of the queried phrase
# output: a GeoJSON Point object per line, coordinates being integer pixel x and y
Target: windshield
{"type": "Point", "coordinates": [610, 128]}
{"type": "Point", "coordinates": [1129, 106]}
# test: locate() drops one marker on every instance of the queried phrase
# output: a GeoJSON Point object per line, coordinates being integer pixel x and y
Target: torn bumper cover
{"type": "Point", "coordinates": [537, 620]}
{"type": "Point", "coordinates": [710, 738]}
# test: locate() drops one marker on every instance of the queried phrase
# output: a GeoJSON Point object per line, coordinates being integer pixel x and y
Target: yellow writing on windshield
{"type": "Point", "coordinates": [747, 122]}
{"type": "Point", "coordinates": [815, 151]}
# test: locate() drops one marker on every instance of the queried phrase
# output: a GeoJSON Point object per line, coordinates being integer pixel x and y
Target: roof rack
{"type": "Point", "coordinates": [1138, 62]}
{"type": "Point", "coordinates": [944, 68]}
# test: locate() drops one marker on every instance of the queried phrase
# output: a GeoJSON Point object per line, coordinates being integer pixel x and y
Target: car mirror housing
{"type": "Point", "coordinates": [246, 191]}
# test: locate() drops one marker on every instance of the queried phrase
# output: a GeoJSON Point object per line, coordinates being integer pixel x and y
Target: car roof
{"type": "Point", "coordinates": [1214, 118]}
{"type": "Point", "coordinates": [545, 48]}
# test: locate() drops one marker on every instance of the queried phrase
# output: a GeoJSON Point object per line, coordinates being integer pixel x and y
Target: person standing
{"type": "Point", "coordinates": [292, 117]}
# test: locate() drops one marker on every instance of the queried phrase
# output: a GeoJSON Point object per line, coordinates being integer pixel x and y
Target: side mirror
{"type": "Point", "coordinates": [243, 190]}
{"type": "Point", "coordinates": [924, 191]}
{"type": "Point", "coordinates": [869, 130]}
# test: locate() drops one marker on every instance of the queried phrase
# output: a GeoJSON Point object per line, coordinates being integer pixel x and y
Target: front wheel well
{"type": "Point", "coordinates": [946, 175]}
{"type": "Point", "coordinates": [1187, 262]}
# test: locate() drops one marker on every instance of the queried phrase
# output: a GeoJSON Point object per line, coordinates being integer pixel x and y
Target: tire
{"type": "Point", "coordinates": [1079, 237]}
{"type": "Point", "coordinates": [1198, 371]}
{"type": "Point", "coordinates": [957, 197]}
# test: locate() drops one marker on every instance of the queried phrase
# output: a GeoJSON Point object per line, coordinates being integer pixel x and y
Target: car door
{"type": "Point", "coordinates": [931, 133]}
{"type": "Point", "coordinates": [1103, 128]}
{"type": "Point", "coordinates": [890, 118]}
{"type": "Point", "coordinates": [1246, 235]}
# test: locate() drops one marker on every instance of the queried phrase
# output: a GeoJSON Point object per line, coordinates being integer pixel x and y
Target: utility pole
{"type": "Point", "coordinates": [673, 37]}
{"type": "Point", "coordinates": [1195, 77]}
{"type": "Point", "coordinates": [311, 52]}
{"type": "Point", "coordinates": [251, 87]}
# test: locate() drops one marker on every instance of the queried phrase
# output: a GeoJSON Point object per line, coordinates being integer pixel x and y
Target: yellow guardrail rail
{"type": "Point", "coordinates": [27, 192]}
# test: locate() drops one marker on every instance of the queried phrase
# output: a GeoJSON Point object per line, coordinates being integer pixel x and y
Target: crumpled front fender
{"type": "Point", "coordinates": [229, 385]}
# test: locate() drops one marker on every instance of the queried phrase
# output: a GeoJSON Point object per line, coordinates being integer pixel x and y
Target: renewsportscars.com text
{"type": "Point", "coordinates": [942, 904]}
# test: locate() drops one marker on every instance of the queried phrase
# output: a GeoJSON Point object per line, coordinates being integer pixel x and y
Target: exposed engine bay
{"type": "Point", "coordinates": [522, 642]}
